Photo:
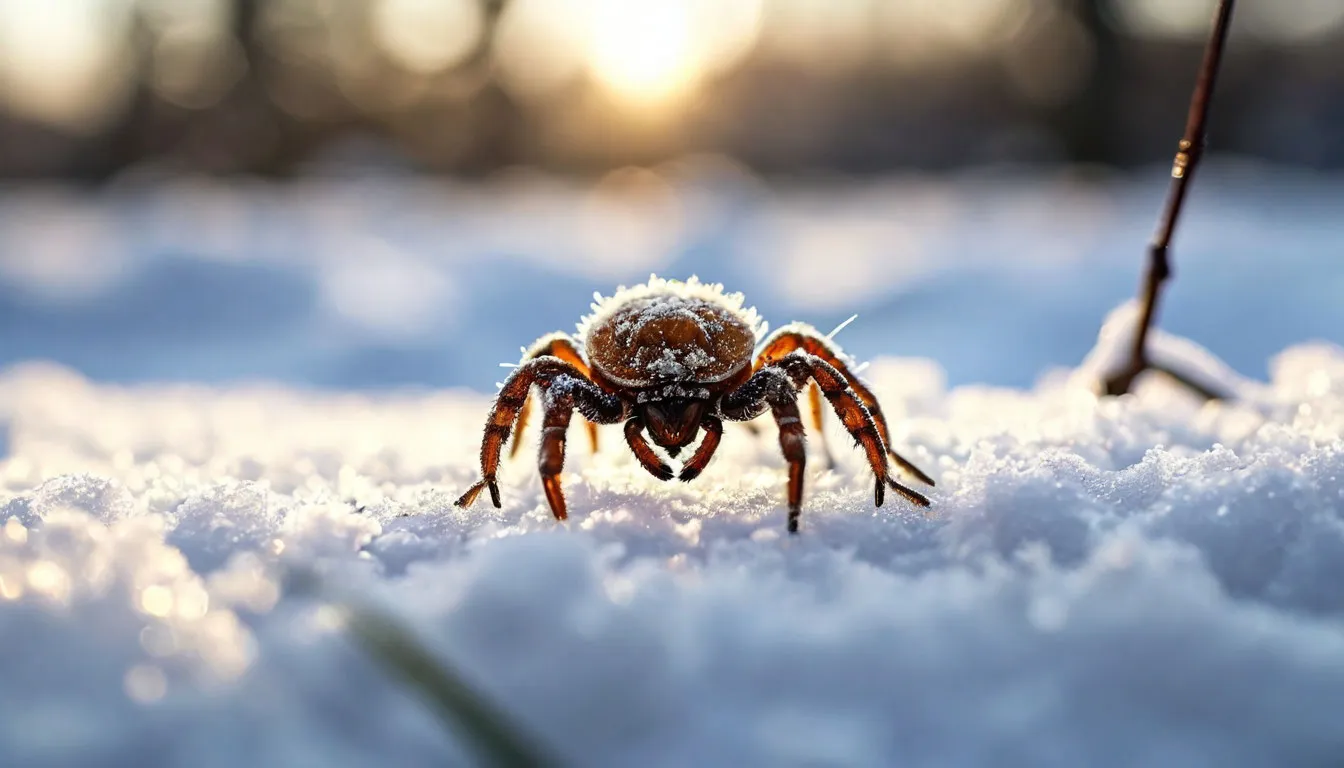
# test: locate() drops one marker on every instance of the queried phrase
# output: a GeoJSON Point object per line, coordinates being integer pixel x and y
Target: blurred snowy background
{"type": "Point", "coordinates": [387, 282]}
{"type": "Point", "coordinates": [260, 260]}
{"type": "Point", "coordinates": [402, 192]}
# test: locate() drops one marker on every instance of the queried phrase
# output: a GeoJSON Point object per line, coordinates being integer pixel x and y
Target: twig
{"type": "Point", "coordinates": [1182, 170]}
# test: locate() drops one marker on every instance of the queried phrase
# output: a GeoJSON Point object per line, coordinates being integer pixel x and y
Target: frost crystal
{"type": "Point", "coordinates": [692, 288]}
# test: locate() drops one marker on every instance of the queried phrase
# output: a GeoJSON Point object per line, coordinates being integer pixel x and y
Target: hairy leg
{"type": "Point", "coordinates": [771, 388]}
{"type": "Point", "coordinates": [558, 407]}
{"type": "Point", "coordinates": [819, 424]}
{"type": "Point", "coordinates": [792, 444]}
{"type": "Point", "coordinates": [799, 336]}
{"type": "Point", "coordinates": [561, 346]}
{"type": "Point", "coordinates": [548, 373]}
{"type": "Point", "coordinates": [801, 366]}
{"type": "Point", "coordinates": [775, 386]}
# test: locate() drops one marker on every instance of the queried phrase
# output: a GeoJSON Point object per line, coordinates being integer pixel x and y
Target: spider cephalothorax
{"type": "Point", "coordinates": [672, 359]}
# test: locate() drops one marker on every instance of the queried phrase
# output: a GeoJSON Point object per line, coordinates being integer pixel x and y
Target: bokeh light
{"type": "Point", "coordinates": [66, 62]}
{"type": "Point", "coordinates": [642, 51]}
{"type": "Point", "coordinates": [538, 48]}
{"type": "Point", "coordinates": [427, 36]}
{"type": "Point", "coordinates": [593, 85]}
{"type": "Point", "coordinates": [646, 55]}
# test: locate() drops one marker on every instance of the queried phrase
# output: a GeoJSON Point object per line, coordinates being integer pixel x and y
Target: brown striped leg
{"type": "Point", "coordinates": [634, 436]}
{"type": "Point", "coordinates": [523, 413]}
{"type": "Point", "coordinates": [818, 423]}
{"type": "Point", "coordinates": [595, 405]}
{"type": "Point", "coordinates": [563, 347]}
{"type": "Point", "coordinates": [800, 367]}
{"type": "Point", "coordinates": [772, 388]}
{"type": "Point", "coordinates": [555, 423]}
{"type": "Point", "coordinates": [697, 463]}
{"type": "Point", "coordinates": [799, 336]}
{"type": "Point", "coordinates": [791, 442]}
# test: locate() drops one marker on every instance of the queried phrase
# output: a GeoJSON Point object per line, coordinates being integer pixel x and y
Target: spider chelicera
{"type": "Point", "coordinates": [671, 359]}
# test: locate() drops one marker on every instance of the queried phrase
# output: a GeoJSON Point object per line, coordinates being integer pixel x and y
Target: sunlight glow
{"type": "Point", "coordinates": [642, 51]}
{"type": "Point", "coordinates": [427, 36]}
{"type": "Point", "coordinates": [538, 48]}
{"type": "Point", "coordinates": [918, 32]}
{"type": "Point", "coordinates": [645, 54]}
{"type": "Point", "coordinates": [652, 52]}
{"type": "Point", "coordinates": [63, 62]}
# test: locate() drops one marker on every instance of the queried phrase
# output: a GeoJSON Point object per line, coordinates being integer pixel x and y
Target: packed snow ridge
{"type": "Point", "coordinates": [1147, 580]}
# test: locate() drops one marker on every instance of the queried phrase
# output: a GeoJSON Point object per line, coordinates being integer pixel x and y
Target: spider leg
{"type": "Point", "coordinates": [799, 336]}
{"type": "Point", "coordinates": [634, 436]}
{"type": "Point", "coordinates": [555, 423]}
{"type": "Point", "coordinates": [818, 423]}
{"type": "Point", "coordinates": [561, 346]}
{"type": "Point", "coordinates": [772, 388]}
{"type": "Point", "coordinates": [857, 419]}
{"type": "Point", "coordinates": [523, 413]}
{"type": "Point", "coordinates": [697, 463]}
{"type": "Point", "coordinates": [776, 386]}
{"type": "Point", "coordinates": [550, 374]}
{"type": "Point", "coordinates": [793, 445]}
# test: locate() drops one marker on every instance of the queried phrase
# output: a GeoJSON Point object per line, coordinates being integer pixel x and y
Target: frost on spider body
{"type": "Point", "coordinates": [670, 331]}
{"type": "Point", "coordinates": [1144, 580]}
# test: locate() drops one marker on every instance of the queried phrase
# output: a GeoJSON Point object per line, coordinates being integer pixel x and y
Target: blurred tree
{"type": "Point", "coordinates": [1088, 123]}
{"type": "Point", "coordinates": [1071, 81]}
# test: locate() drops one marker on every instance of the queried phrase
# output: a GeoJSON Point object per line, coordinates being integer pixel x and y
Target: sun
{"type": "Point", "coordinates": [642, 51]}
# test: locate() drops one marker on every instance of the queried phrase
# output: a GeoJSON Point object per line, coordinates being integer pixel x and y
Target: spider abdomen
{"type": "Point", "coordinates": [668, 337]}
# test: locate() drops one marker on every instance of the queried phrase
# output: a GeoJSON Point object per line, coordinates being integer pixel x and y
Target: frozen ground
{"type": "Point", "coordinates": [1135, 582]}
{"type": "Point", "coordinates": [1145, 581]}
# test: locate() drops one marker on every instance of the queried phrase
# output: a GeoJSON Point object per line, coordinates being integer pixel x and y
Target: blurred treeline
{"type": "Point", "coordinates": [91, 89]}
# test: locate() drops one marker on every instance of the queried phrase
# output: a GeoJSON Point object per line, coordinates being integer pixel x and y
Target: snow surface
{"type": "Point", "coordinates": [1140, 581]}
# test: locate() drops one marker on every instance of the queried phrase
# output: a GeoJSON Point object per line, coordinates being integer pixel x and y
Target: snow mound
{"type": "Point", "coordinates": [1146, 580]}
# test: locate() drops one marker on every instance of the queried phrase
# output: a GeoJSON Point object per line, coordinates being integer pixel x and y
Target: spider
{"type": "Point", "coordinates": [671, 359]}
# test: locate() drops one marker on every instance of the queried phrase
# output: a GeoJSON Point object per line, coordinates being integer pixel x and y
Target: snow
{"type": "Point", "coordinates": [1149, 580]}
{"type": "Point", "coordinates": [376, 282]}
{"type": "Point", "coordinates": [1140, 581]}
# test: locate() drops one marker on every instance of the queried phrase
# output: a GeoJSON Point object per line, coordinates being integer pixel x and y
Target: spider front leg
{"type": "Point", "coordinates": [771, 388]}
{"type": "Point", "coordinates": [644, 454]}
{"type": "Point", "coordinates": [800, 336]}
{"type": "Point", "coordinates": [819, 424]}
{"type": "Point", "coordinates": [559, 406]}
{"type": "Point", "coordinates": [569, 387]}
{"type": "Point", "coordinates": [697, 463]}
{"type": "Point", "coordinates": [776, 386]}
{"type": "Point", "coordinates": [800, 367]}
{"type": "Point", "coordinates": [558, 345]}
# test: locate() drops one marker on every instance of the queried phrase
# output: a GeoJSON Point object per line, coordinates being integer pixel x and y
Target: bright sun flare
{"type": "Point", "coordinates": [642, 51]}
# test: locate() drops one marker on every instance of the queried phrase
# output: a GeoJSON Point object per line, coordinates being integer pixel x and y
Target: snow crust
{"type": "Point", "coordinates": [1141, 581]}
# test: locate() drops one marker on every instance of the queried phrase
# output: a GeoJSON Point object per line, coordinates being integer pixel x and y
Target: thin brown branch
{"type": "Point", "coordinates": [1188, 155]}
{"type": "Point", "coordinates": [1202, 389]}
